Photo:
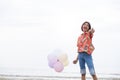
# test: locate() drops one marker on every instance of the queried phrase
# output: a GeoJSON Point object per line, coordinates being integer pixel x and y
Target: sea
{"type": "Point", "coordinates": [38, 74]}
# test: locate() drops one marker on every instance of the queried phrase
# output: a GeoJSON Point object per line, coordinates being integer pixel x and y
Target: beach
{"type": "Point", "coordinates": [54, 77]}
{"type": "Point", "coordinates": [50, 74]}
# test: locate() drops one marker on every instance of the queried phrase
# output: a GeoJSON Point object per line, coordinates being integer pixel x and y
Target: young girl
{"type": "Point", "coordinates": [85, 49]}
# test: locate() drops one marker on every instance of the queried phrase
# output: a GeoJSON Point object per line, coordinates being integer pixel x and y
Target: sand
{"type": "Point", "coordinates": [25, 77]}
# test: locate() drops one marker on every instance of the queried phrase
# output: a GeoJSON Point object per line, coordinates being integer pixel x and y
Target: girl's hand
{"type": "Point", "coordinates": [75, 61]}
{"type": "Point", "coordinates": [92, 30]}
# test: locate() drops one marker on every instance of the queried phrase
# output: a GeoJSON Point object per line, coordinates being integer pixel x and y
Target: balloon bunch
{"type": "Point", "coordinates": [58, 61]}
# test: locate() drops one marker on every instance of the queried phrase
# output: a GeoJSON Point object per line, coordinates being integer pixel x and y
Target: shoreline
{"type": "Point", "coordinates": [33, 77]}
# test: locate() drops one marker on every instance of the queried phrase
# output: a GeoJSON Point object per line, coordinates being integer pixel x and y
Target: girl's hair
{"type": "Point", "coordinates": [88, 25]}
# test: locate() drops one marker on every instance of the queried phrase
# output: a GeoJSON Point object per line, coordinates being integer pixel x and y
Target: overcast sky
{"type": "Point", "coordinates": [32, 29]}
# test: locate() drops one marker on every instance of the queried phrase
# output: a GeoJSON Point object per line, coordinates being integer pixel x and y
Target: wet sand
{"type": "Point", "coordinates": [25, 77]}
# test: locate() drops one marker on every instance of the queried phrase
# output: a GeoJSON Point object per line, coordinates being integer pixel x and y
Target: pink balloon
{"type": "Point", "coordinates": [58, 66]}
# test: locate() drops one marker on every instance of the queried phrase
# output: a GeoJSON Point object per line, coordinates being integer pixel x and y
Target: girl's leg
{"type": "Point", "coordinates": [83, 77]}
{"type": "Point", "coordinates": [94, 77]}
{"type": "Point", "coordinates": [90, 65]}
{"type": "Point", "coordinates": [82, 63]}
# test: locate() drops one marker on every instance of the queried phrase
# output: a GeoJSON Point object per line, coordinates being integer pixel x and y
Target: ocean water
{"type": "Point", "coordinates": [38, 74]}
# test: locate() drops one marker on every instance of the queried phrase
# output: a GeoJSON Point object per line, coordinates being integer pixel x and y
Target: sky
{"type": "Point", "coordinates": [31, 29]}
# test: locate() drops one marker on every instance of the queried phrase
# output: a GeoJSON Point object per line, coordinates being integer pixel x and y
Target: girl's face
{"type": "Point", "coordinates": [85, 27]}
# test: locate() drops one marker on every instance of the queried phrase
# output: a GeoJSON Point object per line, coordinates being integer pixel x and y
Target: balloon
{"type": "Point", "coordinates": [65, 63]}
{"type": "Point", "coordinates": [57, 60]}
{"type": "Point", "coordinates": [56, 51]}
{"type": "Point", "coordinates": [58, 67]}
{"type": "Point", "coordinates": [52, 59]}
{"type": "Point", "coordinates": [63, 57]}
{"type": "Point", "coordinates": [51, 56]}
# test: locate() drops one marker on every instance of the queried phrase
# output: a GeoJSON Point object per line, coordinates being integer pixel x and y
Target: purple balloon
{"type": "Point", "coordinates": [58, 66]}
{"type": "Point", "coordinates": [52, 59]}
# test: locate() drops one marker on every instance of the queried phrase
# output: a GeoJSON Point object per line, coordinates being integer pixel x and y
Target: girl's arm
{"type": "Point", "coordinates": [91, 31]}
{"type": "Point", "coordinates": [78, 41]}
{"type": "Point", "coordinates": [76, 60]}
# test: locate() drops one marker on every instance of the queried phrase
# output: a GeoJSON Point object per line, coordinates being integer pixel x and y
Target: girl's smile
{"type": "Point", "coordinates": [85, 27]}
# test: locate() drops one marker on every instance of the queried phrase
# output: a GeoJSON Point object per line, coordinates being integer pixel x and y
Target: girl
{"type": "Point", "coordinates": [85, 49]}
